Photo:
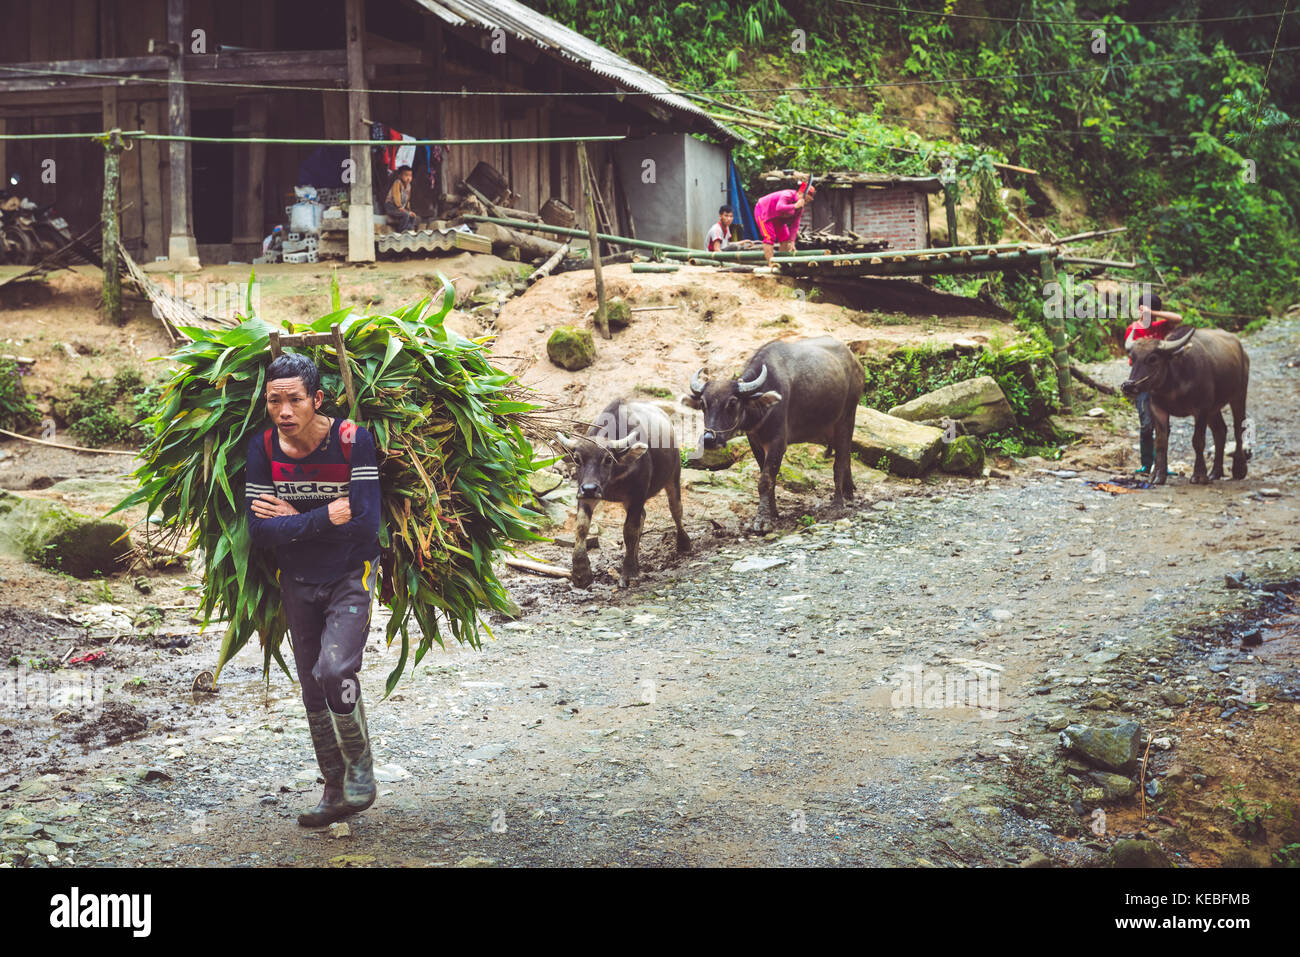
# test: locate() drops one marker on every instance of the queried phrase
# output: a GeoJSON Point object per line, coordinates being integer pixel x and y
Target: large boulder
{"type": "Point", "coordinates": [50, 534]}
{"type": "Point", "coordinates": [571, 348]}
{"type": "Point", "coordinates": [978, 404]}
{"type": "Point", "coordinates": [895, 445]}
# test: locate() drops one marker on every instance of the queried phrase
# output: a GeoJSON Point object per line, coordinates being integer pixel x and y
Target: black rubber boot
{"type": "Point", "coordinates": [1148, 447]}
{"type": "Point", "coordinates": [354, 742]}
{"type": "Point", "coordinates": [332, 807]}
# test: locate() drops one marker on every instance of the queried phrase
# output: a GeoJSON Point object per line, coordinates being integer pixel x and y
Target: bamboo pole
{"type": "Point", "coordinates": [1084, 261]}
{"type": "Point", "coordinates": [589, 187]}
{"type": "Point", "coordinates": [544, 270]}
{"type": "Point", "coordinates": [1055, 327]}
{"type": "Point", "coordinates": [892, 255]}
{"type": "Point", "coordinates": [66, 448]}
{"type": "Point", "coordinates": [950, 208]}
{"type": "Point", "coordinates": [742, 255]}
{"type": "Point", "coordinates": [345, 367]}
{"type": "Point", "coordinates": [1079, 237]}
{"type": "Point", "coordinates": [112, 281]}
{"type": "Point", "coordinates": [575, 233]}
{"type": "Point", "coordinates": [915, 266]}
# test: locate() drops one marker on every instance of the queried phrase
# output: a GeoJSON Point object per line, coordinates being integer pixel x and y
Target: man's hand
{"type": "Point", "coordinates": [340, 511]}
{"type": "Point", "coordinates": [1144, 315]}
{"type": "Point", "coordinates": [268, 506]}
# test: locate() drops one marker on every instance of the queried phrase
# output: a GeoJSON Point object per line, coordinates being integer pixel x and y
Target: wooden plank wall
{"type": "Point", "coordinates": [86, 29]}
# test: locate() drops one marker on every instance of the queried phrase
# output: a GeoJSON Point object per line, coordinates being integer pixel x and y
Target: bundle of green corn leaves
{"type": "Point", "coordinates": [453, 455]}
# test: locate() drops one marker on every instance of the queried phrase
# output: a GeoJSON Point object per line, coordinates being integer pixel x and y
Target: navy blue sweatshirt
{"type": "Point", "coordinates": [308, 547]}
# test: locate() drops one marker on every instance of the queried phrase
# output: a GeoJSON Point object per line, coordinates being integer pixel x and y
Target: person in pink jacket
{"type": "Point", "coordinates": [778, 214]}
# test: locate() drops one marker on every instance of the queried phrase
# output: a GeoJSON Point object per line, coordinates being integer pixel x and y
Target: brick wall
{"type": "Point", "coordinates": [898, 215]}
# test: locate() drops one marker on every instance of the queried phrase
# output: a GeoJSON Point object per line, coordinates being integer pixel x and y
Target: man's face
{"type": "Point", "coordinates": [406, 176]}
{"type": "Point", "coordinates": [725, 219]}
{"type": "Point", "coordinates": [289, 406]}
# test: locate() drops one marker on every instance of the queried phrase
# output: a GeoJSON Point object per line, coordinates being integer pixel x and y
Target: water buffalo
{"type": "Point", "coordinates": [628, 456]}
{"type": "Point", "coordinates": [801, 391]}
{"type": "Point", "coordinates": [1195, 374]}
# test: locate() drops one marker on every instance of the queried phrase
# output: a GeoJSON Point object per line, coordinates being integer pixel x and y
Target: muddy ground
{"type": "Point", "coordinates": [744, 704]}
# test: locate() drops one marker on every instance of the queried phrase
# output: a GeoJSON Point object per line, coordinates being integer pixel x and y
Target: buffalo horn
{"type": "Point", "coordinates": [697, 381]}
{"type": "Point", "coordinates": [569, 443]}
{"type": "Point", "coordinates": [744, 388]}
{"type": "Point", "coordinates": [1175, 346]}
{"type": "Point", "coordinates": [623, 444]}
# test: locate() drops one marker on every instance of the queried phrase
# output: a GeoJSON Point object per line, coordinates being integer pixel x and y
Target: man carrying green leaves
{"type": "Point", "coordinates": [313, 496]}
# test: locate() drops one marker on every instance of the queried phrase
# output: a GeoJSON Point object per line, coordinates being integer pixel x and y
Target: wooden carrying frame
{"type": "Point", "coordinates": [335, 336]}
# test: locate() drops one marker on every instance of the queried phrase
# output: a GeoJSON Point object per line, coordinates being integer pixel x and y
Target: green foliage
{"type": "Point", "coordinates": [1023, 370]}
{"type": "Point", "coordinates": [453, 466]}
{"type": "Point", "coordinates": [17, 411]}
{"type": "Point", "coordinates": [109, 411]}
{"type": "Point", "coordinates": [1169, 130]}
{"type": "Point", "coordinates": [1248, 815]}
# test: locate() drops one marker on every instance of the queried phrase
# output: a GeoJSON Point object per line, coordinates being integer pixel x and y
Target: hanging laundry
{"type": "Point", "coordinates": [403, 155]}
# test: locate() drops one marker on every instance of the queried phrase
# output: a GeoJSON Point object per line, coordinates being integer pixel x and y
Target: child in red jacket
{"type": "Point", "coordinates": [1152, 323]}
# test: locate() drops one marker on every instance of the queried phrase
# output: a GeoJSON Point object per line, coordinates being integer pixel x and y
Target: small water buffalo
{"type": "Point", "coordinates": [628, 456]}
{"type": "Point", "coordinates": [1195, 374]}
{"type": "Point", "coordinates": [802, 391]}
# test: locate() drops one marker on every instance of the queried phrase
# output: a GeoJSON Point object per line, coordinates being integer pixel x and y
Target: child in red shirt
{"type": "Point", "coordinates": [1152, 323]}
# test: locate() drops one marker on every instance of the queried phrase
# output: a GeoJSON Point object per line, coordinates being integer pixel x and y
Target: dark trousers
{"type": "Point", "coordinates": [400, 219]}
{"type": "Point", "coordinates": [328, 625]}
{"type": "Point", "coordinates": [1145, 425]}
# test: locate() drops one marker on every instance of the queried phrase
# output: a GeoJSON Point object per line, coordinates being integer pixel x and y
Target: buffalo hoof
{"type": "Point", "coordinates": [1239, 471]}
{"type": "Point", "coordinates": [581, 576]}
{"type": "Point", "coordinates": [683, 542]}
{"type": "Point", "coordinates": [1201, 479]}
{"type": "Point", "coordinates": [1160, 478]}
{"type": "Point", "coordinates": [762, 525]}
{"type": "Point", "coordinates": [1216, 474]}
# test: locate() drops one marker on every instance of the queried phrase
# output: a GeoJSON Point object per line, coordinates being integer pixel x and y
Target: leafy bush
{"type": "Point", "coordinates": [109, 411]}
{"type": "Point", "coordinates": [1024, 370]}
{"type": "Point", "coordinates": [17, 411]}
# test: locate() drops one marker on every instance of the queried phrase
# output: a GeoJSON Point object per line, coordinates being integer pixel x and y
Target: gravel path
{"type": "Point", "coordinates": [753, 705]}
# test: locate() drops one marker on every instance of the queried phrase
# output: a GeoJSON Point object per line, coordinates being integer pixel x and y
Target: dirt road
{"type": "Point", "coordinates": [885, 687]}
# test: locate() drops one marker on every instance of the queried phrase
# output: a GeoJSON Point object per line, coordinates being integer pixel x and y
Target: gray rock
{"type": "Point", "coordinates": [488, 752]}
{"type": "Point", "coordinates": [1113, 748]}
{"type": "Point", "coordinates": [757, 563]}
{"type": "Point", "coordinates": [1115, 786]}
{"type": "Point", "coordinates": [895, 445]}
{"type": "Point", "coordinates": [1101, 657]}
{"type": "Point", "coordinates": [1036, 859]}
{"type": "Point", "coordinates": [978, 404]}
{"type": "Point", "coordinates": [723, 457]}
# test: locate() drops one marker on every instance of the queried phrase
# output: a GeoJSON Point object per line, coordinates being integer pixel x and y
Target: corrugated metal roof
{"type": "Point", "coordinates": [526, 24]}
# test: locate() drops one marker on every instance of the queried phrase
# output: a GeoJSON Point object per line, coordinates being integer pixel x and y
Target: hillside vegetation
{"type": "Point", "coordinates": [1165, 117]}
